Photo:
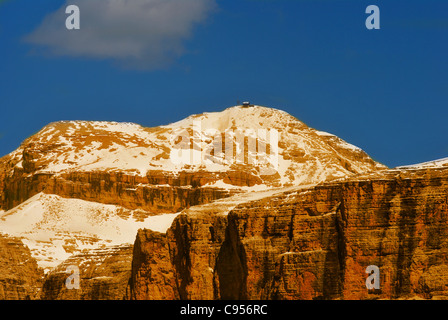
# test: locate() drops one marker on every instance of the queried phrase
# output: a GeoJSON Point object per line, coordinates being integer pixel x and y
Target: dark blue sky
{"type": "Point", "coordinates": [385, 90]}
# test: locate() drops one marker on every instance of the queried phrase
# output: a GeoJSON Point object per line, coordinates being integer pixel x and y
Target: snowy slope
{"type": "Point", "coordinates": [440, 163]}
{"type": "Point", "coordinates": [305, 155]}
{"type": "Point", "coordinates": [55, 228]}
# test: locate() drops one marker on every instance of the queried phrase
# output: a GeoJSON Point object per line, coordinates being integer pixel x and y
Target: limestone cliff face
{"type": "Point", "coordinates": [312, 243]}
{"type": "Point", "coordinates": [398, 222]}
{"type": "Point", "coordinates": [103, 275]}
{"type": "Point", "coordinates": [156, 192]}
{"type": "Point", "coordinates": [155, 272]}
{"type": "Point", "coordinates": [20, 277]}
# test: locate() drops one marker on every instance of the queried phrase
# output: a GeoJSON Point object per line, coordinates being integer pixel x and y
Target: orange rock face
{"type": "Point", "coordinates": [155, 272]}
{"type": "Point", "coordinates": [313, 243]}
{"type": "Point", "coordinates": [20, 277]}
{"type": "Point", "coordinates": [103, 275]}
{"type": "Point", "coordinates": [161, 192]}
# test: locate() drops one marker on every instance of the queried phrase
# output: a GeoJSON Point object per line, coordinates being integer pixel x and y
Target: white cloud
{"type": "Point", "coordinates": [144, 34]}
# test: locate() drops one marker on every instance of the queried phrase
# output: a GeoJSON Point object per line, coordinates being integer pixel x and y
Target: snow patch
{"type": "Point", "coordinates": [439, 163]}
{"type": "Point", "coordinates": [54, 227]}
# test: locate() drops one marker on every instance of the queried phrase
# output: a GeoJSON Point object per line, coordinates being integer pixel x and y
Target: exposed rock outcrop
{"type": "Point", "coordinates": [315, 243]}
{"type": "Point", "coordinates": [155, 271]}
{"type": "Point", "coordinates": [103, 275]}
{"type": "Point", "coordinates": [20, 277]}
{"type": "Point", "coordinates": [157, 192]}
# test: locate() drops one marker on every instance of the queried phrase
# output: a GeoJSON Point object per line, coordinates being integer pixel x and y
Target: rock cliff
{"type": "Point", "coordinates": [156, 192]}
{"type": "Point", "coordinates": [308, 243]}
{"type": "Point", "coordinates": [20, 277]}
{"type": "Point", "coordinates": [103, 275]}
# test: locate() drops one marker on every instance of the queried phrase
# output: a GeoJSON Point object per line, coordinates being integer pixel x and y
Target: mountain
{"type": "Point", "coordinates": [305, 155]}
{"type": "Point", "coordinates": [79, 189]}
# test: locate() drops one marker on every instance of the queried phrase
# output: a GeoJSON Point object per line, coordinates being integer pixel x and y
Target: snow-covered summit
{"type": "Point", "coordinates": [242, 117]}
{"type": "Point", "coordinates": [305, 155]}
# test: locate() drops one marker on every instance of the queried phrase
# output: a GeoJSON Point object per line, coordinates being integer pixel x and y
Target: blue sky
{"type": "Point", "coordinates": [385, 90]}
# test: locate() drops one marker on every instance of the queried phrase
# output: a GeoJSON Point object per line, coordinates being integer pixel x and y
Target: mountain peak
{"type": "Point", "coordinates": [241, 117]}
{"type": "Point", "coordinates": [304, 155]}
